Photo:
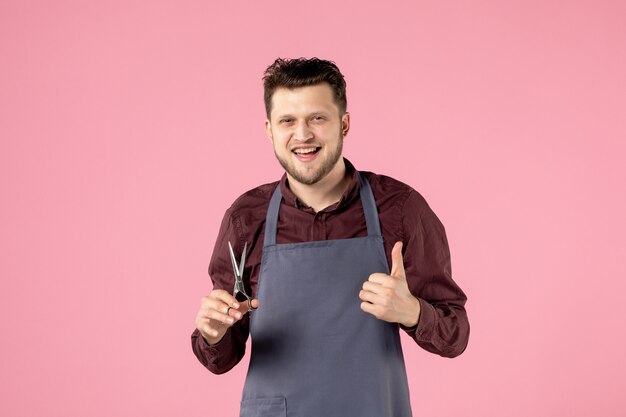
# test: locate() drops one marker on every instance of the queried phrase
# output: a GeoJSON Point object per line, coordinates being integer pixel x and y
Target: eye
{"type": "Point", "coordinates": [318, 117]}
{"type": "Point", "coordinates": [285, 120]}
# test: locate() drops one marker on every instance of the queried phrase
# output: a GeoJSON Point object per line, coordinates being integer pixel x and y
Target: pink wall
{"type": "Point", "coordinates": [127, 130]}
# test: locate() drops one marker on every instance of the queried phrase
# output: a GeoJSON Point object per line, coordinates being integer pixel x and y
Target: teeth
{"type": "Point", "coordinates": [305, 150]}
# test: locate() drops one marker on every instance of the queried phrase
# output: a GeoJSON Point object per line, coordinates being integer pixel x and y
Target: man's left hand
{"type": "Point", "coordinates": [387, 297]}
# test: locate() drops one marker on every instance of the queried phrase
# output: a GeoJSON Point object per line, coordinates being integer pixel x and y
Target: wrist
{"type": "Point", "coordinates": [413, 316]}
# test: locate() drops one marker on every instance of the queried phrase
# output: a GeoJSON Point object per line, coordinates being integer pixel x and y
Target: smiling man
{"type": "Point", "coordinates": [339, 260]}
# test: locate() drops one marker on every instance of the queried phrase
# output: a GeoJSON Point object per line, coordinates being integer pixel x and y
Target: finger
{"type": "Point", "coordinates": [374, 287]}
{"type": "Point", "coordinates": [213, 303]}
{"type": "Point", "coordinates": [384, 293]}
{"type": "Point", "coordinates": [372, 298]}
{"type": "Point", "coordinates": [380, 278]}
{"type": "Point", "coordinates": [212, 328]}
{"type": "Point", "coordinates": [246, 307]}
{"type": "Point", "coordinates": [216, 299]}
{"type": "Point", "coordinates": [238, 313]}
{"type": "Point", "coordinates": [220, 315]}
{"type": "Point", "coordinates": [226, 298]}
{"type": "Point", "coordinates": [208, 329]}
{"type": "Point", "coordinates": [209, 326]}
{"type": "Point", "coordinates": [371, 309]}
{"type": "Point", "coordinates": [397, 262]}
{"type": "Point", "coordinates": [220, 306]}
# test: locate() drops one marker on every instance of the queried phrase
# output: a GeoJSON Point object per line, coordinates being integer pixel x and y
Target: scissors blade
{"type": "Point", "coordinates": [242, 264]}
{"type": "Point", "coordinates": [233, 260]}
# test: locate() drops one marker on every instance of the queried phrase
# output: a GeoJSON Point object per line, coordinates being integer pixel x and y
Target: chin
{"type": "Point", "coordinates": [309, 178]}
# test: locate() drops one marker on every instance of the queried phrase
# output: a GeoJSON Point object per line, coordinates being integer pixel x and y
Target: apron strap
{"type": "Point", "coordinates": [271, 218]}
{"type": "Point", "coordinates": [367, 200]}
{"type": "Point", "coordinates": [369, 207]}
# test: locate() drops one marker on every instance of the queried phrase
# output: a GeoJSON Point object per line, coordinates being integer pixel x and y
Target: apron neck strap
{"type": "Point", "coordinates": [367, 200]}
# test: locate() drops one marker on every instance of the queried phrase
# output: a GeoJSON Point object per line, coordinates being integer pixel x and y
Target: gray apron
{"type": "Point", "coordinates": [314, 351]}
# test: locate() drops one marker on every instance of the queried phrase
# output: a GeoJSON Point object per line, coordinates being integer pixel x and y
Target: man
{"type": "Point", "coordinates": [327, 308]}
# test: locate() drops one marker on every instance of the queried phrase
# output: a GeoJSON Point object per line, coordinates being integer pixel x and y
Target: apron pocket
{"type": "Point", "coordinates": [264, 407]}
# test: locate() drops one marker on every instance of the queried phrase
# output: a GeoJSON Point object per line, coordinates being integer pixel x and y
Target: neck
{"type": "Point", "coordinates": [326, 191]}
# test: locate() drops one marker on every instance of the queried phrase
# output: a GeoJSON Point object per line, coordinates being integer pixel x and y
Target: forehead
{"type": "Point", "coordinates": [312, 98]}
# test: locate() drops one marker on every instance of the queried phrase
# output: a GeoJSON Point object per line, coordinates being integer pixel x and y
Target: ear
{"type": "Point", "coordinates": [345, 124]}
{"type": "Point", "coordinates": [268, 130]}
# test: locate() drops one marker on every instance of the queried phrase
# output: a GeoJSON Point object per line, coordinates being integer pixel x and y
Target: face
{"type": "Point", "coordinates": [307, 131]}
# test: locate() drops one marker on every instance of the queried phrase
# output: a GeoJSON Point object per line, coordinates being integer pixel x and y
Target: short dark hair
{"type": "Point", "coordinates": [303, 72]}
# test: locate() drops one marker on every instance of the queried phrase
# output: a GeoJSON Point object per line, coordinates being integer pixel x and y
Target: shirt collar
{"type": "Point", "coordinates": [349, 194]}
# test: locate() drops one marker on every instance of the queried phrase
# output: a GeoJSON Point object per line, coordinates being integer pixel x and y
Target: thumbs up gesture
{"type": "Point", "coordinates": [387, 297]}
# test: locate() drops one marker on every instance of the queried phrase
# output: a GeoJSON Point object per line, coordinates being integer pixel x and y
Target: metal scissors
{"type": "Point", "coordinates": [239, 291]}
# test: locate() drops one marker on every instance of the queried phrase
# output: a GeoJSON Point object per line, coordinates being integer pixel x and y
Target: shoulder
{"type": "Point", "coordinates": [251, 206]}
{"type": "Point", "coordinates": [254, 197]}
{"type": "Point", "coordinates": [388, 190]}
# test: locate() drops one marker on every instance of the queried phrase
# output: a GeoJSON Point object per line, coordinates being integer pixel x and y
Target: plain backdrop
{"type": "Point", "coordinates": [128, 128]}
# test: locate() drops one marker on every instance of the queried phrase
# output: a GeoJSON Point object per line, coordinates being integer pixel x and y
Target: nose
{"type": "Point", "coordinates": [302, 132]}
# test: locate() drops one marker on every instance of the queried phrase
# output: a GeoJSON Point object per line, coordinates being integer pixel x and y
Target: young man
{"type": "Point", "coordinates": [327, 308]}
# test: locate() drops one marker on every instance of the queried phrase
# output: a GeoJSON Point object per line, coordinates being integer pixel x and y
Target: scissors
{"type": "Point", "coordinates": [239, 291]}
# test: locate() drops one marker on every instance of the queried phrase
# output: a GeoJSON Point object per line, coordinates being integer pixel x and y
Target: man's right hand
{"type": "Point", "coordinates": [212, 320]}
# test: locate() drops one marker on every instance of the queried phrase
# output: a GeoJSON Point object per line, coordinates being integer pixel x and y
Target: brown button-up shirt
{"type": "Point", "coordinates": [404, 216]}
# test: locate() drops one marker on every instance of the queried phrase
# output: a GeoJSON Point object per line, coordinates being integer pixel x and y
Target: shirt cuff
{"type": "Point", "coordinates": [426, 323]}
{"type": "Point", "coordinates": [213, 353]}
{"type": "Point", "coordinates": [422, 331]}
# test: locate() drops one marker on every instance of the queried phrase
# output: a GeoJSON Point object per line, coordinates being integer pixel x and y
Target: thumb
{"type": "Point", "coordinates": [243, 305]}
{"type": "Point", "coordinates": [397, 263]}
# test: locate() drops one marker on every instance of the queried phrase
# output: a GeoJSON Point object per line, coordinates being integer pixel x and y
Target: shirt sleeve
{"type": "Point", "coordinates": [224, 355]}
{"type": "Point", "coordinates": [443, 327]}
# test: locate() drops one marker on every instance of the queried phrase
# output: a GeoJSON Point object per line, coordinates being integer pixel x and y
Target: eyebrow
{"type": "Point", "coordinates": [308, 115]}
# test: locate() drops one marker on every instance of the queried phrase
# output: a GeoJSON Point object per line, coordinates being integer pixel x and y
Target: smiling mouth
{"type": "Point", "coordinates": [307, 151]}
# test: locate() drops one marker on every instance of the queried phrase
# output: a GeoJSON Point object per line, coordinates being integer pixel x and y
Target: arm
{"type": "Point", "coordinates": [223, 355]}
{"type": "Point", "coordinates": [443, 327]}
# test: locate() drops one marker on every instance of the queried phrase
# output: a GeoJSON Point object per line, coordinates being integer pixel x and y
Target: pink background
{"type": "Point", "coordinates": [128, 128]}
